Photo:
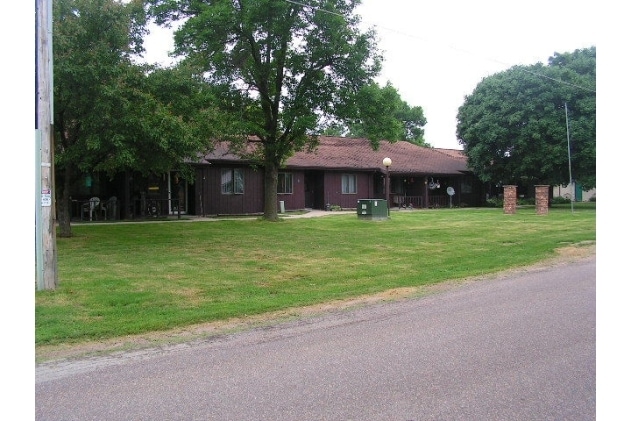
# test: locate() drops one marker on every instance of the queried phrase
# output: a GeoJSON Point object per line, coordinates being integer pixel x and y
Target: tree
{"type": "Point", "coordinates": [513, 125]}
{"type": "Point", "coordinates": [291, 64]}
{"type": "Point", "coordinates": [111, 115]}
{"type": "Point", "coordinates": [380, 113]}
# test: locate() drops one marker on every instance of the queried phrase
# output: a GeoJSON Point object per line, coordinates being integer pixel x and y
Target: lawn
{"type": "Point", "coordinates": [125, 279]}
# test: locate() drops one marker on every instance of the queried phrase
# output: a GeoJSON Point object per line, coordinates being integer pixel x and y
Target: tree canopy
{"type": "Point", "coordinates": [379, 113]}
{"type": "Point", "coordinates": [110, 114]}
{"type": "Point", "coordinates": [288, 65]}
{"type": "Point", "coordinates": [513, 126]}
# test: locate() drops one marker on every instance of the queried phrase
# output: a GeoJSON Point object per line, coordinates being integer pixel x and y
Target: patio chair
{"type": "Point", "coordinates": [109, 206]}
{"type": "Point", "coordinates": [90, 206]}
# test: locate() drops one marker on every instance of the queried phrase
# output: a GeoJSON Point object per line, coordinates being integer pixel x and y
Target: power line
{"type": "Point", "coordinates": [449, 46]}
{"type": "Point", "coordinates": [560, 81]}
{"type": "Point", "coordinates": [316, 8]}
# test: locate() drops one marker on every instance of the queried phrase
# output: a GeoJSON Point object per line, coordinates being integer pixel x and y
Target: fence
{"type": "Point", "coordinates": [404, 201]}
{"type": "Point", "coordinates": [154, 208]}
{"type": "Point", "coordinates": [97, 210]}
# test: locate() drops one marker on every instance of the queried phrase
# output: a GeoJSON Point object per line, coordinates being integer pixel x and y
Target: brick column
{"type": "Point", "coordinates": [510, 199]}
{"type": "Point", "coordinates": [541, 199]}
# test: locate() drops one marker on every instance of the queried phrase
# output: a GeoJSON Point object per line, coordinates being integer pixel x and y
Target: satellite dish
{"type": "Point", "coordinates": [450, 191]}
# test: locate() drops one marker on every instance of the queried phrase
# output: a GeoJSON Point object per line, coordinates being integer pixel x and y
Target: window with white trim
{"type": "Point", "coordinates": [232, 181]}
{"type": "Point", "coordinates": [349, 184]}
{"type": "Point", "coordinates": [285, 183]}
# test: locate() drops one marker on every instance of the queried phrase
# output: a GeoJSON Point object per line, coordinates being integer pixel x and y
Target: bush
{"type": "Point", "coordinates": [560, 200]}
{"type": "Point", "coordinates": [495, 202]}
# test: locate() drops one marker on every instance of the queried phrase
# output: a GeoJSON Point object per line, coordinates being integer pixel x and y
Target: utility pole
{"type": "Point", "coordinates": [569, 159]}
{"type": "Point", "coordinates": [45, 236]}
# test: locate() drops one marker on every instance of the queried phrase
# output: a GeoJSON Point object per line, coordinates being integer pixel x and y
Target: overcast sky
{"type": "Point", "coordinates": [436, 52]}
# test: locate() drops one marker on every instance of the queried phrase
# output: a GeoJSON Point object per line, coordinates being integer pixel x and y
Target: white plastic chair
{"type": "Point", "coordinates": [108, 205]}
{"type": "Point", "coordinates": [91, 206]}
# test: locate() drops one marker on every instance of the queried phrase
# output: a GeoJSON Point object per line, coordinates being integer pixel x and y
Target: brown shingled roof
{"type": "Point", "coordinates": [341, 153]}
{"type": "Point", "coordinates": [354, 153]}
{"type": "Point", "coordinates": [223, 152]}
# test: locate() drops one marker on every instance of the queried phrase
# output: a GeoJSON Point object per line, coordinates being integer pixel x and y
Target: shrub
{"type": "Point", "coordinates": [495, 202]}
{"type": "Point", "coordinates": [560, 200]}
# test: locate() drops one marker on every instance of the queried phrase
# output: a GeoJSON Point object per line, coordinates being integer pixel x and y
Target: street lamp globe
{"type": "Point", "coordinates": [387, 162]}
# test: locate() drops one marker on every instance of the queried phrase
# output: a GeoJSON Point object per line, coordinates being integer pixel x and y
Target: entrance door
{"type": "Point", "coordinates": [314, 190]}
{"type": "Point", "coordinates": [578, 192]}
{"type": "Point", "coordinates": [178, 193]}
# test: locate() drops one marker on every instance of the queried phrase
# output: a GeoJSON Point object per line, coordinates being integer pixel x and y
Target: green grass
{"type": "Point", "coordinates": [123, 279]}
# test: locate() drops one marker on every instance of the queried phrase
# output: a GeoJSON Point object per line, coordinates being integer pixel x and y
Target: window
{"type": "Point", "coordinates": [285, 183]}
{"type": "Point", "coordinates": [466, 185]}
{"type": "Point", "coordinates": [349, 184]}
{"type": "Point", "coordinates": [232, 181]}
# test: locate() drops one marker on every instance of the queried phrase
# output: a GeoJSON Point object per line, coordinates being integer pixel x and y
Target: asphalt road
{"type": "Point", "coordinates": [518, 347]}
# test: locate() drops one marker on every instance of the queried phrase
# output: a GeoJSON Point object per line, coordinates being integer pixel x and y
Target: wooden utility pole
{"type": "Point", "coordinates": [571, 184]}
{"type": "Point", "coordinates": [45, 238]}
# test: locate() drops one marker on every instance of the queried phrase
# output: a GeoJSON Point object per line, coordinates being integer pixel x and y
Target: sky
{"type": "Point", "coordinates": [436, 52]}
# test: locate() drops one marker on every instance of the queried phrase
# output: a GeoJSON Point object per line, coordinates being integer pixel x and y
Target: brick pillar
{"type": "Point", "coordinates": [510, 199]}
{"type": "Point", "coordinates": [541, 199]}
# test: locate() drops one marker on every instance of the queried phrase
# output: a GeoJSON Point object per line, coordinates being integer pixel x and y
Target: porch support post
{"type": "Point", "coordinates": [426, 193]}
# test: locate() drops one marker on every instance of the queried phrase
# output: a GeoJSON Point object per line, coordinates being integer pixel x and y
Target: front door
{"type": "Point", "coordinates": [314, 190]}
{"type": "Point", "coordinates": [578, 192]}
{"type": "Point", "coordinates": [177, 193]}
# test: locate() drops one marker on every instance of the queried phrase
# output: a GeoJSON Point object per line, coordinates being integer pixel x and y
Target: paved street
{"type": "Point", "coordinates": [514, 347]}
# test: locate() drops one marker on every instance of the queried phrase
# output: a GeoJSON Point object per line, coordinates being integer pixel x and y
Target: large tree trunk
{"type": "Point", "coordinates": [270, 211]}
{"type": "Point", "coordinates": [63, 206]}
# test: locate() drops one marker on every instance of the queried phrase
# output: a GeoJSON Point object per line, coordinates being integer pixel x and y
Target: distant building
{"type": "Point", "coordinates": [574, 192]}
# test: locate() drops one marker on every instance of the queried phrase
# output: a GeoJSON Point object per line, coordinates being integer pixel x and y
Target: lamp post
{"type": "Point", "coordinates": [386, 163]}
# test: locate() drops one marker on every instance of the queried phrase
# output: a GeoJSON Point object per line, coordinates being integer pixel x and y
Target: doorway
{"type": "Point", "coordinates": [178, 194]}
{"type": "Point", "coordinates": [314, 190]}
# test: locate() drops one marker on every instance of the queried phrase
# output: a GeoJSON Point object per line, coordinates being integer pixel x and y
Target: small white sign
{"type": "Point", "coordinates": [47, 199]}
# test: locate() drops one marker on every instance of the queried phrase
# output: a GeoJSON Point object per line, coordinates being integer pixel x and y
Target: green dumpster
{"type": "Point", "coordinates": [372, 209]}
